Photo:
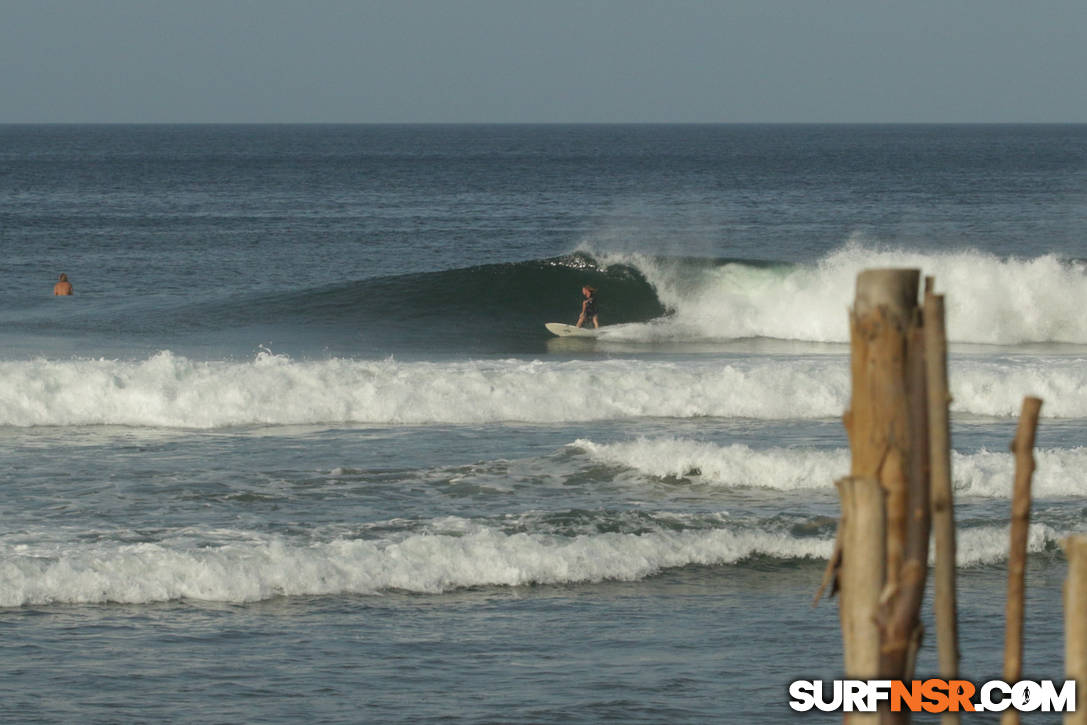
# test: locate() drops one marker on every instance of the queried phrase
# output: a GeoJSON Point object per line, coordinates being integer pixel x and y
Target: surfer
{"type": "Point", "coordinates": [588, 307]}
{"type": "Point", "coordinates": [63, 288]}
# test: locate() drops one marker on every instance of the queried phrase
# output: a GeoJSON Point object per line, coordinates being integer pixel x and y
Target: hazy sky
{"type": "Point", "coordinates": [543, 60]}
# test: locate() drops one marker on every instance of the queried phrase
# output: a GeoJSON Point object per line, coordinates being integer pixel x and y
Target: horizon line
{"type": "Point", "coordinates": [542, 123]}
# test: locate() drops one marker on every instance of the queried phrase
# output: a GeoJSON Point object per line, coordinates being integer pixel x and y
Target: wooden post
{"type": "Point", "coordinates": [1023, 447]}
{"type": "Point", "coordinates": [877, 551]}
{"type": "Point", "coordinates": [942, 499]}
{"type": "Point", "coordinates": [899, 617]}
{"type": "Point", "coordinates": [862, 530]}
{"type": "Point", "coordinates": [1075, 625]}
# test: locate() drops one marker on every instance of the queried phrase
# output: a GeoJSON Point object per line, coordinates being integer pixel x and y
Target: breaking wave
{"type": "Point", "coordinates": [1061, 472]}
{"type": "Point", "coordinates": [644, 299]}
{"type": "Point", "coordinates": [246, 567]}
{"type": "Point", "coordinates": [172, 391]}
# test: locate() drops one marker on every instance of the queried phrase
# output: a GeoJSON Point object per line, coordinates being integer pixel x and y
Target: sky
{"type": "Point", "coordinates": [543, 61]}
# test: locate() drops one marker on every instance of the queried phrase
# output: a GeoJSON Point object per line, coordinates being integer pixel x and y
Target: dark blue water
{"type": "Point", "coordinates": [300, 448]}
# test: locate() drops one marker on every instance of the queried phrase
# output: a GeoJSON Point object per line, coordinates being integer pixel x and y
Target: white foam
{"type": "Point", "coordinates": [168, 390]}
{"type": "Point", "coordinates": [1060, 472]}
{"type": "Point", "coordinates": [422, 562]}
{"type": "Point", "coordinates": [254, 567]}
{"type": "Point", "coordinates": [986, 545]}
{"type": "Point", "coordinates": [735, 465]}
{"type": "Point", "coordinates": [989, 299]}
{"type": "Point", "coordinates": [172, 391]}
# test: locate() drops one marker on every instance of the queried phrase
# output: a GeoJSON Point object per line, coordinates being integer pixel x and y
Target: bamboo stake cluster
{"type": "Point", "coordinates": [880, 562]}
{"type": "Point", "coordinates": [899, 491]}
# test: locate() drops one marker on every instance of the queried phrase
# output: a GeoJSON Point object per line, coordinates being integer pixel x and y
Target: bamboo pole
{"type": "Point", "coordinates": [862, 531]}
{"type": "Point", "coordinates": [1075, 625]}
{"type": "Point", "coordinates": [874, 546]}
{"type": "Point", "coordinates": [899, 617]}
{"type": "Point", "coordinates": [942, 499]}
{"type": "Point", "coordinates": [1023, 447]}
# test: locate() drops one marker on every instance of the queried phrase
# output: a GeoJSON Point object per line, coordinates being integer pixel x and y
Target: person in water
{"type": "Point", "coordinates": [588, 307]}
{"type": "Point", "coordinates": [63, 288]}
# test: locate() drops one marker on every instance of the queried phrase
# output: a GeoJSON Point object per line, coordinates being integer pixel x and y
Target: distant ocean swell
{"type": "Point", "coordinates": [171, 391]}
{"type": "Point", "coordinates": [256, 567]}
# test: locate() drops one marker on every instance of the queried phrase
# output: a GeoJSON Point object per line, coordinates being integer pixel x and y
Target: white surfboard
{"type": "Point", "coordinates": [563, 330]}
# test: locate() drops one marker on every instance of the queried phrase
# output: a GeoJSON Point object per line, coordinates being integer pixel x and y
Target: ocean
{"type": "Point", "coordinates": [299, 448]}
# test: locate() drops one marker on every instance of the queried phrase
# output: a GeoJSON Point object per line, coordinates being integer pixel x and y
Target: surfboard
{"type": "Point", "coordinates": [563, 330]}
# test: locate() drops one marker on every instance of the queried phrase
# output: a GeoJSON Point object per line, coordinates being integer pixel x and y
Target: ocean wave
{"type": "Point", "coordinates": [256, 567]}
{"type": "Point", "coordinates": [503, 303]}
{"type": "Point", "coordinates": [173, 391]}
{"type": "Point", "coordinates": [989, 299]}
{"type": "Point", "coordinates": [644, 299]}
{"type": "Point", "coordinates": [262, 567]}
{"type": "Point", "coordinates": [1061, 472]}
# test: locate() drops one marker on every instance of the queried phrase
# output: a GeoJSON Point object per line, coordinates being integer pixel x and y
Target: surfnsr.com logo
{"type": "Point", "coordinates": [932, 695]}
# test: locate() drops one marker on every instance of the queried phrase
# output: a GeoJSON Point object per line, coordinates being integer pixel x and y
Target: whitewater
{"type": "Point", "coordinates": [169, 390]}
{"type": "Point", "coordinates": [241, 566]}
{"type": "Point", "coordinates": [994, 300]}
